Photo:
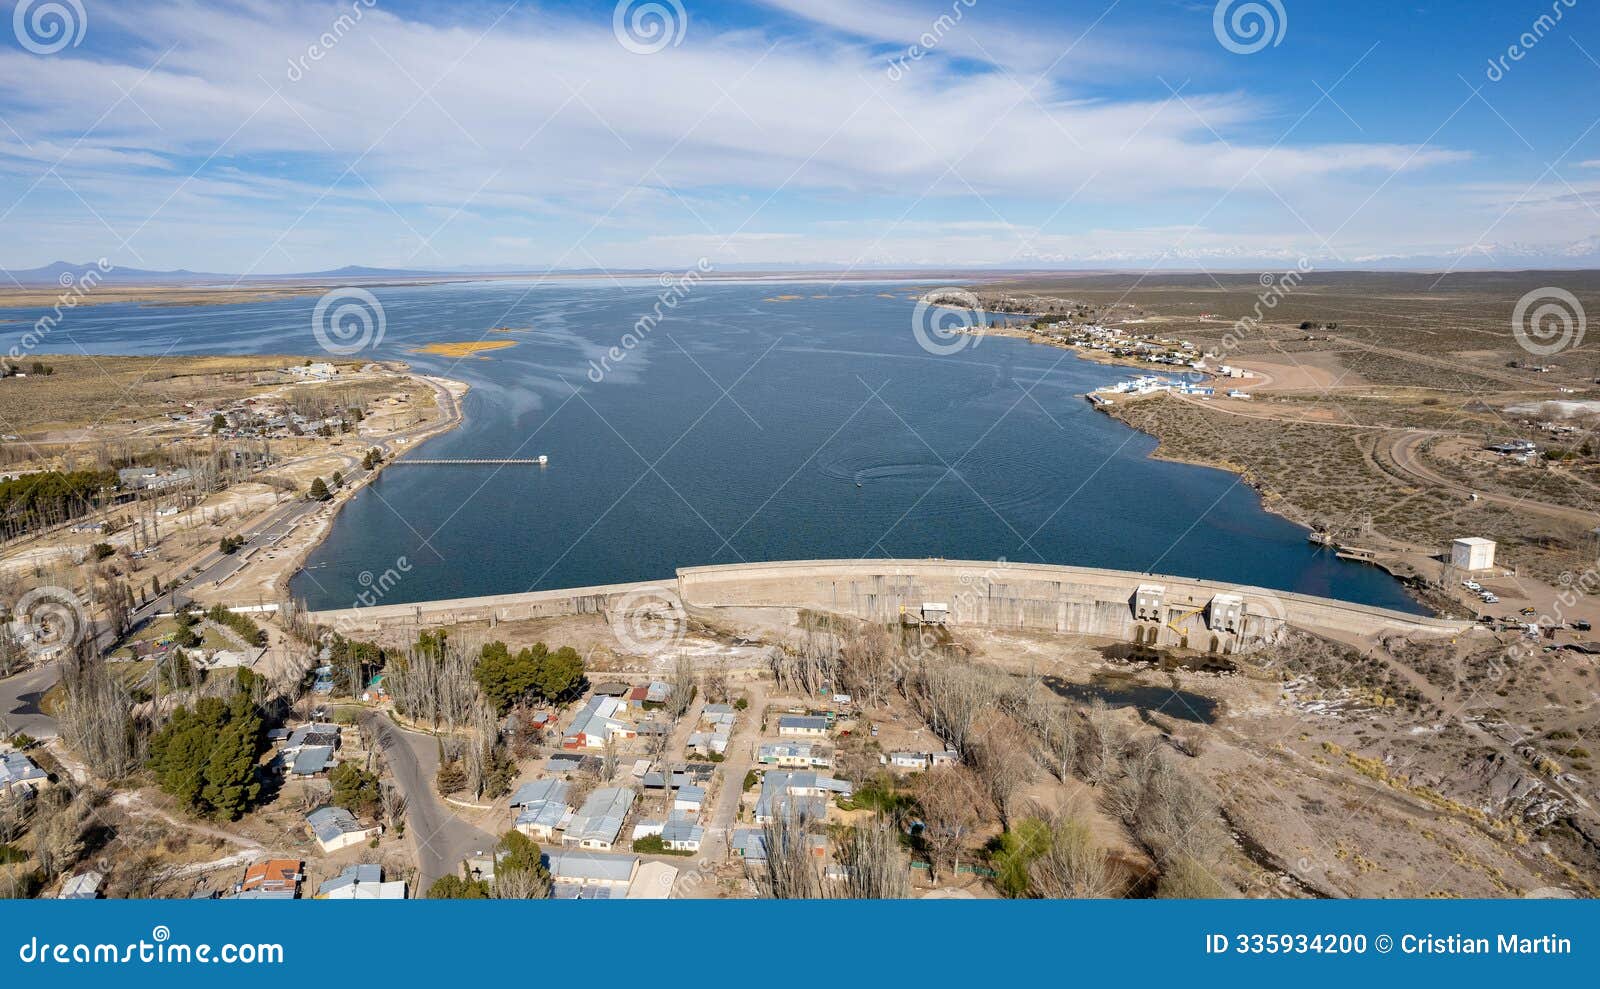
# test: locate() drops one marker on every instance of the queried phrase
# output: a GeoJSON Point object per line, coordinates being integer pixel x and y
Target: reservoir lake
{"type": "Point", "coordinates": [756, 420]}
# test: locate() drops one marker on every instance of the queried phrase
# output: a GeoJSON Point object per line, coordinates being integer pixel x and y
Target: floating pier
{"type": "Point", "coordinates": [472, 461]}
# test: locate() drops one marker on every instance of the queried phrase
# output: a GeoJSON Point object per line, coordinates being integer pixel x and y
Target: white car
{"type": "Point", "coordinates": [1472, 585]}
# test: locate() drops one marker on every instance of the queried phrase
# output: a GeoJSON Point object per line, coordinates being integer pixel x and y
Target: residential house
{"type": "Point", "coordinates": [17, 770]}
{"type": "Point", "coordinates": [583, 870]}
{"type": "Point", "coordinates": [907, 762]}
{"type": "Point", "coordinates": [568, 763]}
{"type": "Point", "coordinates": [718, 714]}
{"type": "Point", "coordinates": [689, 799]}
{"type": "Point", "coordinates": [597, 722]}
{"type": "Point", "coordinates": [311, 760]}
{"type": "Point", "coordinates": [598, 822]}
{"type": "Point", "coordinates": [681, 833]}
{"type": "Point", "coordinates": [804, 794]}
{"type": "Point", "coordinates": [272, 879]}
{"type": "Point", "coordinates": [362, 882]}
{"type": "Point", "coordinates": [949, 757]}
{"type": "Point", "coordinates": [750, 844]}
{"type": "Point", "coordinates": [544, 808]}
{"type": "Point", "coordinates": [83, 886]}
{"type": "Point", "coordinates": [802, 726]}
{"type": "Point", "coordinates": [334, 828]}
{"type": "Point", "coordinates": [795, 755]}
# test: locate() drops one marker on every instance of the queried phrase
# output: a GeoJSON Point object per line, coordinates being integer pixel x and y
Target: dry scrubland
{"type": "Point", "coordinates": [1382, 354]}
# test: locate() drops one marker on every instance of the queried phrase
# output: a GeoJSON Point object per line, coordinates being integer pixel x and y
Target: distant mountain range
{"type": "Point", "coordinates": [1582, 255]}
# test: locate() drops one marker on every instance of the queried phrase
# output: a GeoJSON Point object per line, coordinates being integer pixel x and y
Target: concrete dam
{"type": "Point", "coordinates": [1147, 609]}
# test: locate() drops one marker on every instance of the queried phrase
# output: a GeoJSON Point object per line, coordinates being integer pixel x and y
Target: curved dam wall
{"type": "Point", "coordinates": [1144, 608]}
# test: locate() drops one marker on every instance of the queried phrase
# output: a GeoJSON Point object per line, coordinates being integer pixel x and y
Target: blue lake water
{"type": "Point", "coordinates": [742, 428]}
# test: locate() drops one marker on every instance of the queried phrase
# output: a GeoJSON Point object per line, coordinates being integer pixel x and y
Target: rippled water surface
{"type": "Point", "coordinates": [743, 427]}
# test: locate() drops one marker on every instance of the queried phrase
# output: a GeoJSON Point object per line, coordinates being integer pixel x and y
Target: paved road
{"type": "Point", "coordinates": [439, 835]}
{"type": "Point", "coordinates": [19, 701]}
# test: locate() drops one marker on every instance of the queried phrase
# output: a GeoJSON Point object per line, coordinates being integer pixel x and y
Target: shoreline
{"type": "Point", "coordinates": [444, 388]}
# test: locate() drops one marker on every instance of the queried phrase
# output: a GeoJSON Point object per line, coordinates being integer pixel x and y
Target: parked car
{"type": "Point", "coordinates": [1582, 625]}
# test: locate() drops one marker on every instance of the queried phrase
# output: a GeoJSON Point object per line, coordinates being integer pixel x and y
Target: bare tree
{"type": "Point", "coordinates": [875, 866]}
{"type": "Point", "coordinates": [521, 884]}
{"type": "Point", "coordinates": [1074, 866]}
{"type": "Point", "coordinates": [1101, 742]}
{"type": "Point", "coordinates": [949, 797]}
{"type": "Point", "coordinates": [1001, 761]}
{"type": "Point", "coordinates": [392, 807]}
{"type": "Point", "coordinates": [682, 684]}
{"type": "Point", "coordinates": [789, 871]}
{"type": "Point", "coordinates": [869, 664]}
{"type": "Point", "coordinates": [96, 715]}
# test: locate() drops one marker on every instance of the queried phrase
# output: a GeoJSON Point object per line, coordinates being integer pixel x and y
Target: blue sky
{"type": "Point", "coordinates": [283, 136]}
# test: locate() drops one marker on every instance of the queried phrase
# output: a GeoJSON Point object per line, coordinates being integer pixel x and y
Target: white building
{"type": "Point", "coordinates": [1472, 553]}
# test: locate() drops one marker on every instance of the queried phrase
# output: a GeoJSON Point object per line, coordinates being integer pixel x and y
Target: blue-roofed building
{"type": "Point", "coordinates": [311, 760]}
{"type": "Point", "coordinates": [803, 794]}
{"type": "Point", "coordinates": [334, 828]}
{"type": "Point", "coordinates": [599, 821]}
{"type": "Point", "coordinates": [18, 770]}
{"type": "Point", "coordinates": [681, 833]}
{"type": "Point", "coordinates": [544, 808]}
{"type": "Point", "coordinates": [803, 726]}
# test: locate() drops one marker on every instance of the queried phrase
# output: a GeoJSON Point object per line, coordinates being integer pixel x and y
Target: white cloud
{"type": "Point", "coordinates": [542, 136]}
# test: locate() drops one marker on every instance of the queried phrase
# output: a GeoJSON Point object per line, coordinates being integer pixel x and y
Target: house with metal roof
{"type": "Point", "coordinates": [544, 808]}
{"type": "Point", "coordinates": [795, 755]}
{"type": "Point", "coordinates": [334, 828]}
{"type": "Point", "coordinates": [750, 844]}
{"type": "Point", "coordinates": [802, 726]}
{"type": "Point", "coordinates": [797, 794]}
{"type": "Point", "coordinates": [599, 821]}
{"type": "Point", "coordinates": [311, 760]}
{"type": "Point", "coordinates": [83, 886]}
{"type": "Point", "coordinates": [361, 882]}
{"type": "Point", "coordinates": [907, 762]}
{"type": "Point", "coordinates": [570, 867]}
{"type": "Point", "coordinates": [681, 833]}
{"type": "Point", "coordinates": [689, 799]}
{"type": "Point", "coordinates": [317, 733]}
{"type": "Point", "coordinates": [718, 714]}
{"type": "Point", "coordinates": [598, 721]}
{"type": "Point", "coordinates": [567, 763]}
{"type": "Point", "coordinates": [18, 770]}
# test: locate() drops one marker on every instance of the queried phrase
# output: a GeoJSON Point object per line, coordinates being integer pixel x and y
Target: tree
{"type": "Point", "coordinates": [319, 490]}
{"type": "Point", "coordinates": [519, 871]}
{"type": "Point", "coordinates": [1074, 865]}
{"type": "Point", "coordinates": [456, 888]}
{"type": "Point", "coordinates": [560, 674]}
{"type": "Point", "coordinates": [506, 677]}
{"type": "Point", "coordinates": [355, 789]}
{"type": "Point", "coordinates": [219, 422]}
{"type": "Point", "coordinates": [338, 479]}
{"type": "Point", "coordinates": [206, 756]}
{"type": "Point", "coordinates": [949, 797]}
